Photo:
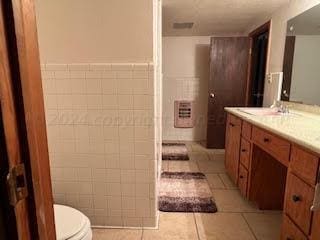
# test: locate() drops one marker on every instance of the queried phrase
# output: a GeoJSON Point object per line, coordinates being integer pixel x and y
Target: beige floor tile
{"type": "Point", "coordinates": [173, 226]}
{"type": "Point", "coordinates": [198, 156]}
{"type": "Point", "coordinates": [217, 156]}
{"type": "Point", "coordinates": [223, 226]}
{"type": "Point", "coordinates": [189, 148]}
{"type": "Point", "coordinates": [211, 166]}
{"type": "Point", "coordinates": [227, 181]}
{"type": "Point", "coordinates": [165, 166]}
{"type": "Point", "coordinates": [183, 166]}
{"type": "Point", "coordinates": [215, 181]}
{"type": "Point", "coordinates": [215, 151]}
{"type": "Point", "coordinates": [116, 234]}
{"type": "Point", "coordinates": [197, 147]}
{"type": "Point", "coordinates": [265, 226]}
{"type": "Point", "coordinates": [231, 201]}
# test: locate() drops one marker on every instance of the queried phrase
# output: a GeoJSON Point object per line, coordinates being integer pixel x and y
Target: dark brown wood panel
{"type": "Point", "coordinates": [11, 132]}
{"type": "Point", "coordinates": [287, 67]}
{"type": "Point", "coordinates": [228, 76]}
{"type": "Point", "coordinates": [253, 60]}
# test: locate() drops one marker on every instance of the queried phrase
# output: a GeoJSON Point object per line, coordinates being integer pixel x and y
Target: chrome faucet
{"type": "Point", "coordinates": [283, 108]}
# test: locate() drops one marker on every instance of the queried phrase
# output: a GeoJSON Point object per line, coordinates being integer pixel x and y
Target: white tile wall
{"type": "Point", "coordinates": [100, 123]}
{"type": "Point", "coordinates": [185, 88]}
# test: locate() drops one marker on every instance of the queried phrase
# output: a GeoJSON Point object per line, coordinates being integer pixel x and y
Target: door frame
{"type": "Point", "coordinates": [256, 32]}
{"type": "Point", "coordinates": [288, 67]}
{"type": "Point", "coordinates": [24, 117]}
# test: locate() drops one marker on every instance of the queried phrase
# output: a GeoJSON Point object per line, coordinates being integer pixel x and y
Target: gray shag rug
{"type": "Point", "coordinates": [174, 152]}
{"type": "Point", "coordinates": [185, 192]}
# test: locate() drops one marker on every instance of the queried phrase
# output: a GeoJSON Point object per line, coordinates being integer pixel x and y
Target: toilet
{"type": "Point", "coordinates": [71, 224]}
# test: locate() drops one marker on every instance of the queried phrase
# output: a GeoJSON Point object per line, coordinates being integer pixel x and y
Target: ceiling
{"type": "Point", "coordinates": [215, 17]}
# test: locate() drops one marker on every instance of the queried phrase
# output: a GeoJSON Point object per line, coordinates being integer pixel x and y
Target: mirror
{"type": "Point", "coordinates": [301, 66]}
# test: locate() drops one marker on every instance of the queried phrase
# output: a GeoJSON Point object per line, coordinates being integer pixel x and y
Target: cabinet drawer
{"type": "Point", "coordinates": [246, 130]}
{"type": "Point", "coordinates": [245, 153]}
{"type": "Point", "coordinates": [277, 147]}
{"type": "Point", "coordinates": [243, 180]}
{"type": "Point", "coordinates": [290, 231]}
{"type": "Point", "coordinates": [233, 139]}
{"type": "Point", "coordinates": [298, 201]}
{"type": "Point", "coordinates": [233, 121]}
{"type": "Point", "coordinates": [304, 164]}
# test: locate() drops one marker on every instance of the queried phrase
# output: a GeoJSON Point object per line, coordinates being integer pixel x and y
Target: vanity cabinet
{"type": "Point", "coordinates": [245, 153]}
{"type": "Point", "coordinates": [298, 201]}
{"type": "Point", "coordinates": [315, 233]}
{"type": "Point", "coordinates": [233, 138]}
{"type": "Point", "coordinates": [290, 231]}
{"type": "Point", "coordinates": [276, 174]}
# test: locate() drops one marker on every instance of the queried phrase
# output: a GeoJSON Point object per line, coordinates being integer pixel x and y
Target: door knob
{"type": "Point", "coordinates": [212, 95]}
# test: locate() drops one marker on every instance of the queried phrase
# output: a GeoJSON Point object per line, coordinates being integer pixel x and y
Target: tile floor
{"type": "Point", "coordinates": [236, 218]}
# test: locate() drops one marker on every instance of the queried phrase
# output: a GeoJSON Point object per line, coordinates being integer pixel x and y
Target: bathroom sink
{"type": "Point", "coordinates": [261, 111]}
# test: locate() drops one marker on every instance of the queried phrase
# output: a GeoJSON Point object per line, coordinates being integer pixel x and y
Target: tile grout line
{"type": "Point", "coordinates": [195, 222]}
{"type": "Point", "coordinates": [251, 230]}
{"type": "Point", "coordinates": [226, 187]}
{"type": "Point", "coordinates": [194, 216]}
{"type": "Point", "coordinates": [142, 232]}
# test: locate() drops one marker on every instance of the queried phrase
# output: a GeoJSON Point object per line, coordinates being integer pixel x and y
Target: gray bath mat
{"type": "Point", "coordinates": [174, 151]}
{"type": "Point", "coordinates": [185, 192]}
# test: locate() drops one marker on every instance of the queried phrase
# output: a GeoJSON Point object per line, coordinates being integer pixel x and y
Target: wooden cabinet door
{"type": "Point", "coordinates": [298, 201]}
{"type": "Point", "coordinates": [315, 234]}
{"type": "Point", "coordinates": [233, 138]}
{"type": "Point", "coordinates": [289, 231]}
{"type": "Point", "coordinates": [23, 123]}
{"type": "Point", "coordinates": [245, 153]}
{"type": "Point", "coordinates": [243, 180]}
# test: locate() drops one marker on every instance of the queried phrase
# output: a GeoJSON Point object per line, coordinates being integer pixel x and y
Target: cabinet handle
{"type": "Point", "coordinates": [243, 150]}
{"type": "Point", "coordinates": [289, 238]}
{"type": "Point", "coordinates": [266, 140]}
{"type": "Point", "coordinates": [232, 125]}
{"type": "Point", "coordinates": [296, 198]}
{"type": "Point", "coordinates": [241, 177]}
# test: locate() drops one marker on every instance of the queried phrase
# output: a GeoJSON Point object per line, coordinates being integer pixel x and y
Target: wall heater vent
{"type": "Point", "coordinates": [183, 114]}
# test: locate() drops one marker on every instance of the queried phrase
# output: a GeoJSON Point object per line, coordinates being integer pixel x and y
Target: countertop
{"type": "Point", "coordinates": [299, 127]}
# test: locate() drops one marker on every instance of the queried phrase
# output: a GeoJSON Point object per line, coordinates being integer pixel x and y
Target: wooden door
{"type": "Point", "coordinates": [23, 120]}
{"type": "Point", "coordinates": [8, 228]}
{"type": "Point", "coordinates": [227, 83]}
{"type": "Point", "coordinates": [233, 138]}
{"type": "Point", "coordinates": [259, 41]}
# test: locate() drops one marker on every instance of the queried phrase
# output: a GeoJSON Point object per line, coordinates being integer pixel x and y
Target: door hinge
{"type": "Point", "coordinates": [17, 184]}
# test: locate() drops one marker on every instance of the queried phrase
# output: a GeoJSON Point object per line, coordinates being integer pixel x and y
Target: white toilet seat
{"type": "Point", "coordinates": [71, 224]}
